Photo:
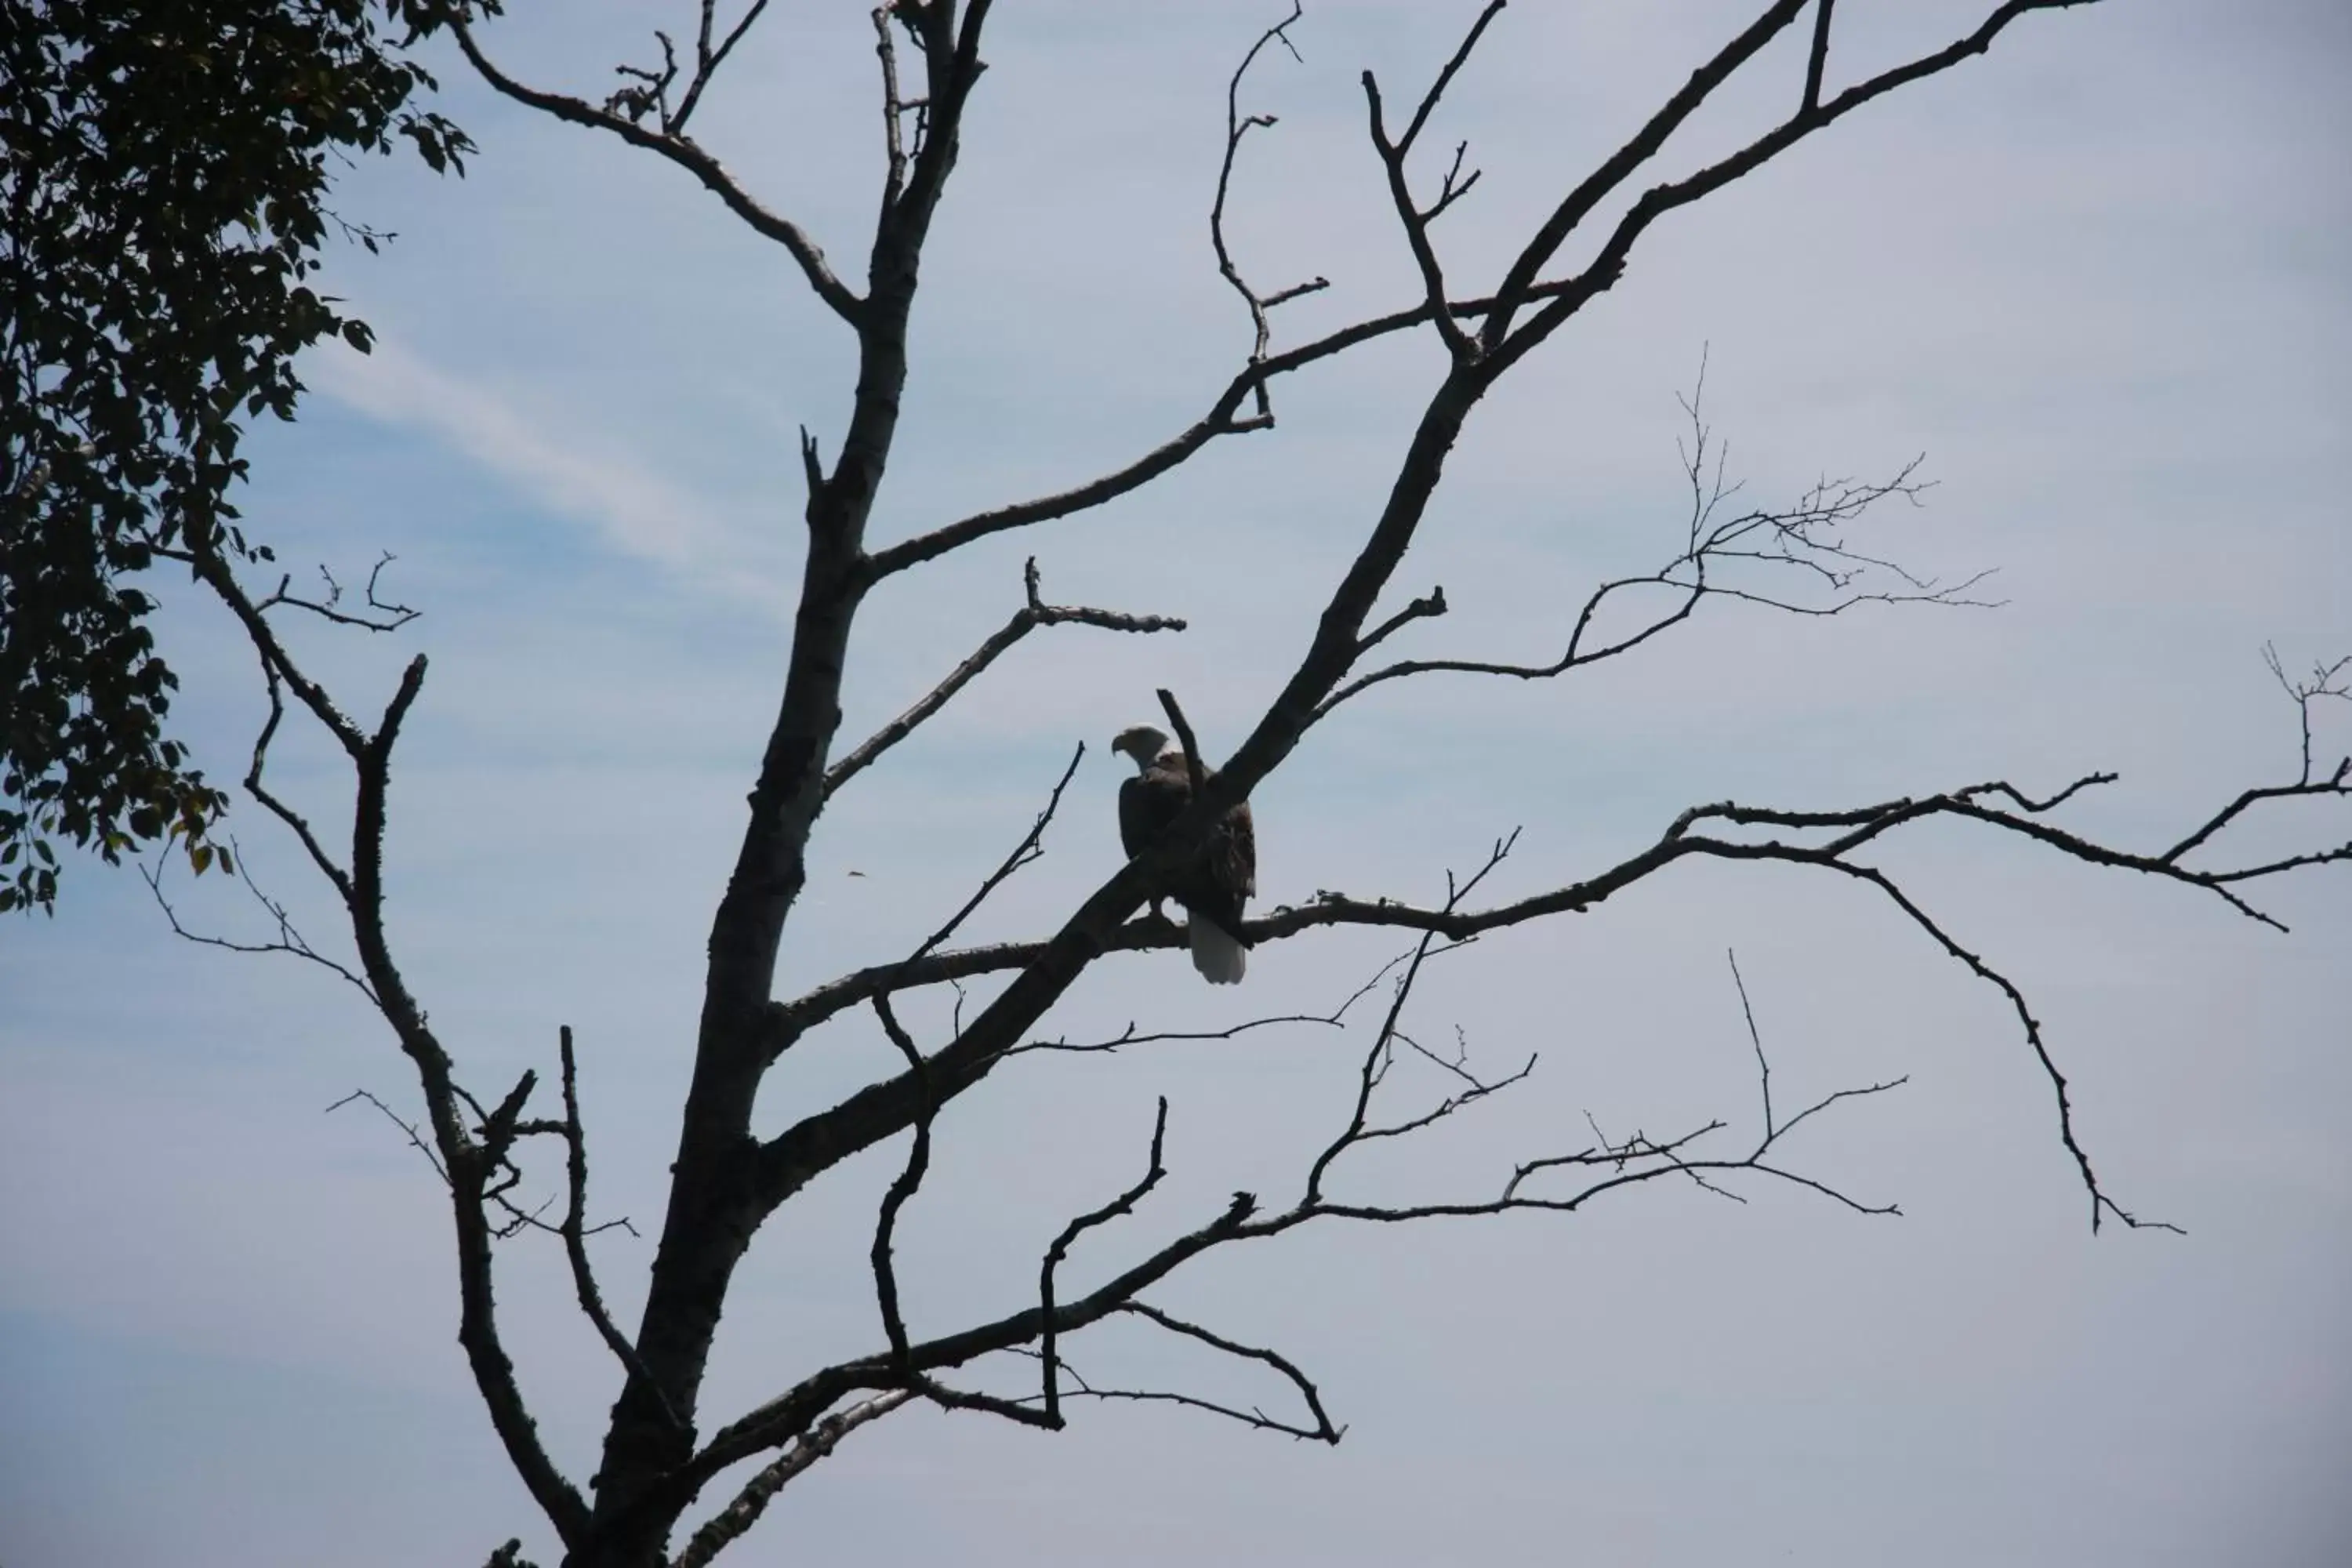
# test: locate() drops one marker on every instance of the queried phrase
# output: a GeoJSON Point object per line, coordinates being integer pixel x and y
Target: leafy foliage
{"type": "Point", "coordinates": [167, 169]}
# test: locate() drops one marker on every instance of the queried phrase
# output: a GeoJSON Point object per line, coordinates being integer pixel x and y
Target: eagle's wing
{"type": "Point", "coordinates": [1134, 817]}
{"type": "Point", "coordinates": [1232, 856]}
{"type": "Point", "coordinates": [1148, 803]}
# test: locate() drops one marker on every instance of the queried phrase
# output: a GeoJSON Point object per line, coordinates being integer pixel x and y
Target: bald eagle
{"type": "Point", "coordinates": [1223, 873]}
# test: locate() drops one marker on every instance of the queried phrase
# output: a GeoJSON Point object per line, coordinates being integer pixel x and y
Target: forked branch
{"type": "Point", "coordinates": [1034, 613]}
{"type": "Point", "coordinates": [575, 1230]}
{"type": "Point", "coordinates": [1030, 848]}
{"type": "Point", "coordinates": [1608, 1166]}
{"type": "Point", "coordinates": [806, 1448]}
{"type": "Point", "coordinates": [668, 139]}
{"type": "Point", "coordinates": [377, 613]}
{"type": "Point", "coordinates": [1155, 1170]}
{"type": "Point", "coordinates": [1739, 557]}
{"type": "Point", "coordinates": [1503, 346]}
{"type": "Point", "coordinates": [1830, 840]}
{"type": "Point", "coordinates": [1416, 219]}
{"type": "Point", "coordinates": [1238, 126]}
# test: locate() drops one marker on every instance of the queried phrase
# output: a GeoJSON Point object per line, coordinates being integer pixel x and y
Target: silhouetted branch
{"type": "Point", "coordinates": [1323, 1431]}
{"type": "Point", "coordinates": [2326, 680]}
{"type": "Point", "coordinates": [1236, 127]}
{"type": "Point", "coordinates": [1409, 214]}
{"type": "Point", "coordinates": [806, 1449]}
{"type": "Point", "coordinates": [476, 1170]}
{"type": "Point", "coordinates": [386, 617]}
{"type": "Point", "coordinates": [1121, 1206]}
{"type": "Point", "coordinates": [1336, 1018]}
{"type": "Point", "coordinates": [1195, 765]}
{"type": "Point", "coordinates": [728, 1180]}
{"type": "Point", "coordinates": [576, 1230]}
{"type": "Point", "coordinates": [1611, 1164]}
{"type": "Point", "coordinates": [909, 1178]}
{"type": "Point", "coordinates": [1504, 347]}
{"type": "Point", "coordinates": [1825, 839]}
{"type": "Point", "coordinates": [1375, 1064]}
{"type": "Point", "coordinates": [1629, 1160]}
{"type": "Point", "coordinates": [1763, 1068]}
{"type": "Point", "coordinates": [1818, 58]}
{"type": "Point", "coordinates": [1805, 538]}
{"type": "Point", "coordinates": [288, 940]}
{"type": "Point", "coordinates": [416, 1138]}
{"type": "Point", "coordinates": [1445, 75]}
{"type": "Point", "coordinates": [1221, 420]}
{"type": "Point", "coordinates": [1034, 613]}
{"type": "Point", "coordinates": [673, 144]}
{"type": "Point", "coordinates": [326, 863]}
{"type": "Point", "coordinates": [708, 60]}
{"type": "Point", "coordinates": [2100, 1202]}
{"type": "Point", "coordinates": [1030, 848]}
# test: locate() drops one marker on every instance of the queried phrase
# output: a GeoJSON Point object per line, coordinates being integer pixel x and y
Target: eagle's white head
{"type": "Point", "coordinates": [1143, 743]}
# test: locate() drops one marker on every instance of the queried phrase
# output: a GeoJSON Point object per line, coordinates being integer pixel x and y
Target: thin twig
{"type": "Point", "coordinates": [688, 155]}
{"type": "Point", "coordinates": [1030, 848]}
{"type": "Point", "coordinates": [1034, 613]}
{"type": "Point", "coordinates": [576, 1230]}
{"type": "Point", "coordinates": [1155, 1170]}
{"type": "Point", "coordinates": [1237, 126]}
{"type": "Point", "coordinates": [904, 1186]}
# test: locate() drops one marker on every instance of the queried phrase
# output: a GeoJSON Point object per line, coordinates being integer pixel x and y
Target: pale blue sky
{"type": "Point", "coordinates": [2097, 278]}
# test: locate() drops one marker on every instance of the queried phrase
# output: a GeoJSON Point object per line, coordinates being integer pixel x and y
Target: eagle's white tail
{"type": "Point", "coordinates": [1220, 959]}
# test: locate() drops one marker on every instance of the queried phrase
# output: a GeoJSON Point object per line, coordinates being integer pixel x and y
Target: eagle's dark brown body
{"type": "Point", "coordinates": [1217, 883]}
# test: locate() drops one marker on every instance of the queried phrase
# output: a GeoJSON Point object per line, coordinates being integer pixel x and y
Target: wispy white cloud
{"type": "Point", "coordinates": [571, 473]}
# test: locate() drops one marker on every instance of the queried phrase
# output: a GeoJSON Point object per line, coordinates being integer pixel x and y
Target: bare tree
{"type": "Point", "coordinates": [664, 1453]}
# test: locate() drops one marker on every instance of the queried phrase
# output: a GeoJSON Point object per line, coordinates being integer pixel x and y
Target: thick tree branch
{"type": "Point", "coordinates": [1819, 56]}
{"type": "Point", "coordinates": [711, 1220]}
{"type": "Point", "coordinates": [1194, 764]}
{"type": "Point", "coordinates": [893, 110]}
{"type": "Point", "coordinates": [708, 59]}
{"type": "Point", "coordinates": [1221, 420]}
{"type": "Point", "coordinates": [470, 1167]}
{"type": "Point", "coordinates": [215, 574]}
{"type": "Point", "coordinates": [1612, 1164]}
{"type": "Point", "coordinates": [1609, 264]}
{"type": "Point", "coordinates": [762, 1428]}
{"type": "Point", "coordinates": [726, 1181]}
{"type": "Point", "coordinates": [1614, 171]}
{"type": "Point", "coordinates": [811, 1145]}
{"type": "Point", "coordinates": [731, 1522]}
